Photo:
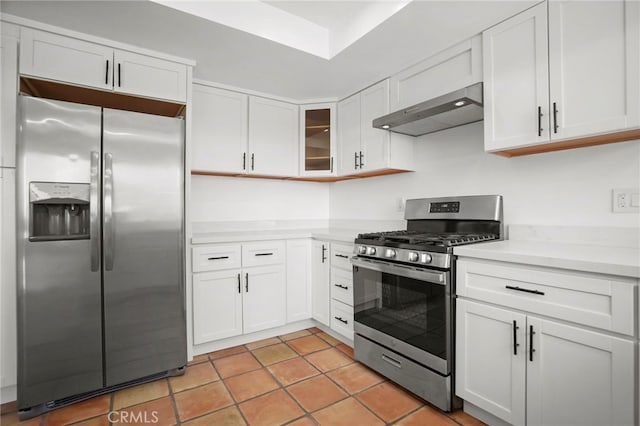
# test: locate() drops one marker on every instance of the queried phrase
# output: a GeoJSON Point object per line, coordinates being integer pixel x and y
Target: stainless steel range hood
{"type": "Point", "coordinates": [451, 110]}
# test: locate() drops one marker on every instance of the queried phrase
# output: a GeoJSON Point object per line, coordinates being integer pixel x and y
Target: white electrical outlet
{"type": "Point", "coordinates": [626, 200]}
{"type": "Point", "coordinates": [400, 202]}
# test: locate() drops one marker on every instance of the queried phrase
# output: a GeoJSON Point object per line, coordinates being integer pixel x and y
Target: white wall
{"type": "Point", "coordinates": [215, 198]}
{"type": "Point", "coordinates": [570, 187]}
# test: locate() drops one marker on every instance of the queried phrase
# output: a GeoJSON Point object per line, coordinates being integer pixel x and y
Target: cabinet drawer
{"type": "Point", "coordinates": [342, 286]}
{"type": "Point", "coordinates": [263, 253]}
{"type": "Point", "coordinates": [342, 318]}
{"type": "Point", "coordinates": [215, 258]}
{"type": "Point", "coordinates": [594, 300]}
{"type": "Point", "coordinates": [341, 255]}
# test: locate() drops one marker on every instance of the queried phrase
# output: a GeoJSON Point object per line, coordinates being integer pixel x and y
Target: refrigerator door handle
{"type": "Point", "coordinates": [109, 231]}
{"type": "Point", "coordinates": [94, 225]}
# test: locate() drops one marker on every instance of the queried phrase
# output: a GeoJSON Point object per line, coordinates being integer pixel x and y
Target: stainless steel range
{"type": "Point", "coordinates": [404, 292]}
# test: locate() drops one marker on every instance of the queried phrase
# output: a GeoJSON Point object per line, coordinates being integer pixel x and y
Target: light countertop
{"type": "Point", "coordinates": [621, 261]}
{"type": "Point", "coordinates": [330, 234]}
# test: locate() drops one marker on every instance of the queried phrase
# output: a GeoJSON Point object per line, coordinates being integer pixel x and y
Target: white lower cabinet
{"type": "Point", "coordinates": [527, 368]}
{"type": "Point", "coordinates": [217, 305]}
{"type": "Point", "coordinates": [8, 328]}
{"type": "Point", "coordinates": [333, 286]}
{"type": "Point", "coordinates": [489, 366]}
{"type": "Point", "coordinates": [341, 285]}
{"type": "Point", "coordinates": [264, 298]}
{"type": "Point", "coordinates": [298, 280]}
{"type": "Point", "coordinates": [320, 270]}
{"type": "Point", "coordinates": [230, 302]}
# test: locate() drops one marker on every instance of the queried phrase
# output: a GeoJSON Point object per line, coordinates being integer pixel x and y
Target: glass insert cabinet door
{"type": "Point", "coordinates": [317, 139]}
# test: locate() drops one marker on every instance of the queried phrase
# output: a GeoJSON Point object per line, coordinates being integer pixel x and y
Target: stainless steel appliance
{"type": "Point", "coordinates": [404, 292]}
{"type": "Point", "coordinates": [100, 248]}
{"type": "Point", "coordinates": [454, 109]}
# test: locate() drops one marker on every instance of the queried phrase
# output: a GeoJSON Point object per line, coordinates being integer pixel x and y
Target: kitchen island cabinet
{"type": "Point", "coordinates": [541, 346]}
{"type": "Point", "coordinates": [542, 85]}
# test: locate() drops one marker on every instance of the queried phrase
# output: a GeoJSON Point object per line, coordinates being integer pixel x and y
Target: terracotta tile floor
{"type": "Point", "coordinates": [301, 378]}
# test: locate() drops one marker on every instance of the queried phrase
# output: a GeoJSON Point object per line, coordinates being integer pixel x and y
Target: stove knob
{"type": "Point", "coordinates": [390, 253]}
{"type": "Point", "coordinates": [371, 251]}
{"type": "Point", "coordinates": [425, 258]}
{"type": "Point", "coordinates": [362, 250]}
{"type": "Point", "coordinates": [413, 256]}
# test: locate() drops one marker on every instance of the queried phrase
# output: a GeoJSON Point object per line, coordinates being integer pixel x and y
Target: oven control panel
{"type": "Point", "coordinates": [439, 260]}
{"type": "Point", "coordinates": [448, 207]}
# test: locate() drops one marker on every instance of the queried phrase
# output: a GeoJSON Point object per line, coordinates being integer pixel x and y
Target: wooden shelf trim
{"type": "Point", "coordinates": [329, 179]}
{"type": "Point", "coordinates": [106, 99]}
{"type": "Point", "coordinates": [627, 135]}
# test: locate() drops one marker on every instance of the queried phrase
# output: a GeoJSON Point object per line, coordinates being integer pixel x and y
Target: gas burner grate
{"type": "Point", "coordinates": [427, 239]}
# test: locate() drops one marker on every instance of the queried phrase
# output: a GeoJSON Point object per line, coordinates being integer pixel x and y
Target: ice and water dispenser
{"type": "Point", "coordinates": [58, 211]}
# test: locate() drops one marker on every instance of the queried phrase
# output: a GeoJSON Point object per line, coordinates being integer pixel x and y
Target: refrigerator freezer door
{"type": "Point", "coordinates": [59, 289]}
{"type": "Point", "coordinates": [143, 195]}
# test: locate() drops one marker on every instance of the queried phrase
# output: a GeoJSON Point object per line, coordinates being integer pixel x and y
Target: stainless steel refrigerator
{"type": "Point", "coordinates": [100, 197]}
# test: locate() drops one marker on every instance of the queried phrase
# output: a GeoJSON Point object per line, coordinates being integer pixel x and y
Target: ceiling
{"type": "Point", "coordinates": [238, 58]}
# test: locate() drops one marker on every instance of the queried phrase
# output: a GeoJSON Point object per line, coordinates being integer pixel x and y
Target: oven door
{"type": "Point", "coordinates": [408, 310]}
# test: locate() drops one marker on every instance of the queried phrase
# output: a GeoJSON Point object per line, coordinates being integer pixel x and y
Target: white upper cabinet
{"type": "Point", "coordinates": [219, 129]}
{"type": "Point", "coordinates": [364, 149]}
{"type": "Point", "coordinates": [69, 60]}
{"type": "Point", "coordinates": [317, 139]}
{"type": "Point", "coordinates": [349, 130]}
{"type": "Point", "coordinates": [241, 134]}
{"type": "Point", "coordinates": [516, 81]}
{"type": "Point", "coordinates": [594, 64]}
{"type": "Point", "coordinates": [273, 137]}
{"type": "Point", "coordinates": [146, 76]}
{"type": "Point", "coordinates": [452, 69]}
{"type": "Point", "coordinates": [66, 59]}
{"type": "Point", "coordinates": [562, 70]}
{"type": "Point", "coordinates": [9, 84]}
{"type": "Point", "coordinates": [374, 142]}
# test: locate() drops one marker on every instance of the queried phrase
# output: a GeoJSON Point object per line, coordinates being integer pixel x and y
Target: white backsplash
{"type": "Point", "coordinates": [589, 235]}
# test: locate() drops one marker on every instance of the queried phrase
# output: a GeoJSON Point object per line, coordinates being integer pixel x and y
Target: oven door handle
{"type": "Point", "coordinates": [401, 270]}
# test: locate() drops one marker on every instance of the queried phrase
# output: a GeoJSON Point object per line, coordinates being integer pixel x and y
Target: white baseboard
{"type": "Point", "coordinates": [8, 394]}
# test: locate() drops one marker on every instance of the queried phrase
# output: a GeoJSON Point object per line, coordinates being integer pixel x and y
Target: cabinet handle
{"type": "Point", "coordinates": [246, 282]}
{"type": "Point", "coordinates": [106, 74]}
{"type": "Point", "coordinates": [555, 118]}
{"type": "Point", "coordinates": [526, 290]}
{"type": "Point", "coordinates": [515, 338]}
{"type": "Point", "coordinates": [344, 287]}
{"type": "Point", "coordinates": [361, 157]}
{"type": "Point", "coordinates": [218, 257]}
{"type": "Point", "coordinates": [344, 321]}
{"type": "Point", "coordinates": [540, 121]}
{"type": "Point", "coordinates": [331, 165]}
{"type": "Point", "coordinates": [244, 161]}
{"type": "Point", "coordinates": [355, 156]}
{"type": "Point", "coordinates": [531, 350]}
{"type": "Point", "coordinates": [264, 254]}
{"type": "Point", "coordinates": [392, 361]}
{"type": "Point", "coordinates": [252, 160]}
{"type": "Point", "coordinates": [324, 249]}
{"type": "Point", "coordinates": [239, 285]}
{"type": "Point", "coordinates": [119, 77]}
{"type": "Point", "coordinates": [342, 256]}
